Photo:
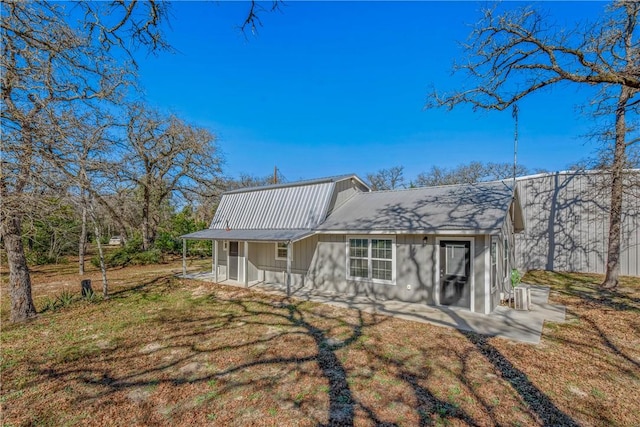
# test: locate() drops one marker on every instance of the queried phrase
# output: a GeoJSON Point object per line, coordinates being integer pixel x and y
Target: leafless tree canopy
{"type": "Point", "coordinates": [515, 53]}
{"type": "Point", "coordinates": [387, 179]}
{"type": "Point", "coordinates": [469, 173]}
{"type": "Point", "coordinates": [165, 156]}
{"type": "Point", "coordinates": [520, 51]}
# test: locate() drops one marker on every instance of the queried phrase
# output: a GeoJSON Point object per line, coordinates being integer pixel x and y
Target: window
{"type": "Point", "coordinates": [225, 245]}
{"type": "Point", "coordinates": [370, 259]}
{"type": "Point", "coordinates": [281, 251]}
{"type": "Point", "coordinates": [505, 258]}
{"type": "Point", "coordinates": [359, 258]}
{"type": "Point", "coordinates": [456, 263]}
{"type": "Point", "coordinates": [494, 265]}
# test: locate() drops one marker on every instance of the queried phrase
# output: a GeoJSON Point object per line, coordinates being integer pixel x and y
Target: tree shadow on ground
{"type": "Point", "coordinates": [292, 319]}
{"type": "Point", "coordinates": [537, 401]}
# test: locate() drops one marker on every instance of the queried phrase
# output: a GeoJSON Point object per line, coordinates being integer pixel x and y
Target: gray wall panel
{"type": "Point", "coordinates": [567, 221]}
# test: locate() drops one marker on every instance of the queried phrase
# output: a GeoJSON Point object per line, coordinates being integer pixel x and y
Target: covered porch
{"type": "Point", "coordinates": [230, 255]}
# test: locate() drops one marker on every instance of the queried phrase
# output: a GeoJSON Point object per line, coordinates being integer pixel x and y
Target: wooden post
{"type": "Point", "coordinates": [246, 264]}
{"type": "Point", "coordinates": [215, 261]}
{"type": "Point", "coordinates": [289, 268]}
{"type": "Point", "coordinates": [184, 258]}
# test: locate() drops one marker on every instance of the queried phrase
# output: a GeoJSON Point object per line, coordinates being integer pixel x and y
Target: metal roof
{"type": "Point", "coordinates": [282, 208]}
{"type": "Point", "coordinates": [249, 235]}
{"type": "Point", "coordinates": [480, 207]}
{"type": "Point", "coordinates": [301, 205]}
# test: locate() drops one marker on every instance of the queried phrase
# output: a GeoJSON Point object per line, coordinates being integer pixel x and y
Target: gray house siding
{"type": "Point", "coordinates": [567, 221]}
{"type": "Point", "coordinates": [319, 216]}
{"type": "Point", "coordinates": [416, 273]}
{"type": "Point", "coordinates": [343, 191]}
{"type": "Point", "coordinates": [262, 258]}
{"type": "Point", "coordinates": [416, 267]}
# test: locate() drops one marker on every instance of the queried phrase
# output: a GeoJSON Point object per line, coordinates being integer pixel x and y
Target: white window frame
{"type": "Point", "coordinates": [286, 247]}
{"type": "Point", "coordinates": [369, 278]}
{"type": "Point", "coordinates": [505, 258]}
{"type": "Point", "coordinates": [493, 261]}
{"type": "Point", "coordinates": [225, 245]}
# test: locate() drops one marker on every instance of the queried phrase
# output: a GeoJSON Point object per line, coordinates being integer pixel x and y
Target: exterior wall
{"type": "Point", "coordinates": [567, 220]}
{"type": "Point", "coordinates": [343, 191]}
{"type": "Point", "coordinates": [222, 259]}
{"type": "Point", "coordinates": [265, 267]}
{"type": "Point", "coordinates": [416, 267]}
{"type": "Point", "coordinates": [416, 270]}
{"type": "Point", "coordinates": [479, 268]}
{"type": "Point", "coordinates": [319, 262]}
{"type": "Point", "coordinates": [505, 240]}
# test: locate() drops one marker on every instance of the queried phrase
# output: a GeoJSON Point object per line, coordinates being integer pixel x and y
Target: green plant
{"type": "Point", "coordinates": [49, 304]}
{"type": "Point", "coordinates": [516, 277]}
{"type": "Point", "coordinates": [153, 256]}
{"type": "Point", "coordinates": [65, 298]}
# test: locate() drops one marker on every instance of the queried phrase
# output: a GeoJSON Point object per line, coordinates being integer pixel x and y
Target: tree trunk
{"type": "Point", "coordinates": [82, 244]}
{"type": "Point", "coordinates": [145, 220]}
{"type": "Point", "coordinates": [617, 169]}
{"type": "Point", "coordinates": [103, 268]}
{"type": "Point", "coordinates": [22, 307]}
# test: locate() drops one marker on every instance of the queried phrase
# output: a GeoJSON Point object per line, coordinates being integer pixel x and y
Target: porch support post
{"type": "Point", "coordinates": [184, 257]}
{"type": "Point", "coordinates": [215, 261]}
{"type": "Point", "coordinates": [289, 268]}
{"type": "Point", "coordinates": [246, 264]}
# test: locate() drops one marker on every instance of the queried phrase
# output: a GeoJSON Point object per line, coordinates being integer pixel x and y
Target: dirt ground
{"type": "Point", "coordinates": [167, 351]}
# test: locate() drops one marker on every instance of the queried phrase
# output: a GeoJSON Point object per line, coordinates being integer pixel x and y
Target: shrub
{"type": "Point", "coordinates": [153, 256]}
{"type": "Point", "coordinates": [65, 298]}
{"type": "Point", "coordinates": [516, 277]}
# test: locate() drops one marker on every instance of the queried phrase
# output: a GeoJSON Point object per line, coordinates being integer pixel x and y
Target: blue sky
{"type": "Point", "coordinates": [327, 88]}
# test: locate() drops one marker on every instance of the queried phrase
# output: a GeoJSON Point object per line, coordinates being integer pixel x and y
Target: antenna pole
{"type": "Point", "coordinates": [514, 114]}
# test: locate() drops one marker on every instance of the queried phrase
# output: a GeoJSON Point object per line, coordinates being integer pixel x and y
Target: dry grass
{"type": "Point", "coordinates": [165, 351]}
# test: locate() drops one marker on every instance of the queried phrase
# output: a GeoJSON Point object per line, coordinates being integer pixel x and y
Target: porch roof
{"type": "Point", "coordinates": [273, 235]}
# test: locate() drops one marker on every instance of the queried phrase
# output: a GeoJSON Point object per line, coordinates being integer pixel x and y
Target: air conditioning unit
{"type": "Point", "coordinates": [522, 298]}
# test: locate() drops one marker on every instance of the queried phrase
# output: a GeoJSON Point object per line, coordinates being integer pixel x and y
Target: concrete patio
{"type": "Point", "coordinates": [522, 326]}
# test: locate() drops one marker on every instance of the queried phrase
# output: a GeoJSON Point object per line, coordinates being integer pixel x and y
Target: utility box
{"type": "Point", "coordinates": [522, 297]}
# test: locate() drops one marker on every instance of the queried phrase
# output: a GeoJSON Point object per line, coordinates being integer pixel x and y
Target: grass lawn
{"type": "Point", "coordinates": [166, 351]}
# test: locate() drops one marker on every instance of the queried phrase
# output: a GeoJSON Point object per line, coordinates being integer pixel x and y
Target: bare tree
{"type": "Point", "coordinates": [469, 173]}
{"type": "Point", "coordinates": [49, 62]}
{"type": "Point", "coordinates": [387, 179]}
{"type": "Point", "coordinates": [514, 54]}
{"type": "Point", "coordinates": [165, 156]}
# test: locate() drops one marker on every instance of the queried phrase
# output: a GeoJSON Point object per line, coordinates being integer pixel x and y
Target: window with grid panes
{"type": "Point", "coordinates": [359, 258]}
{"type": "Point", "coordinates": [371, 258]}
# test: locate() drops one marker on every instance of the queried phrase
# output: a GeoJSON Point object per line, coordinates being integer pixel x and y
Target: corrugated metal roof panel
{"type": "Point", "coordinates": [478, 207]}
{"type": "Point", "coordinates": [286, 207]}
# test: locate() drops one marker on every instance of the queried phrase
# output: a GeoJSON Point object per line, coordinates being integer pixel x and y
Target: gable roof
{"type": "Point", "coordinates": [479, 208]}
{"type": "Point", "coordinates": [294, 211]}
{"type": "Point", "coordinates": [280, 212]}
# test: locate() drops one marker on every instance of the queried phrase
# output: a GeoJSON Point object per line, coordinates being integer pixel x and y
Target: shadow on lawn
{"type": "Point", "coordinates": [230, 315]}
{"type": "Point", "coordinates": [538, 402]}
{"type": "Point", "coordinates": [245, 313]}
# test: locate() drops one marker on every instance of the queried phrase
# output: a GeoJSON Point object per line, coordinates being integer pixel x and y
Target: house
{"type": "Point", "coordinates": [449, 245]}
{"type": "Point", "coordinates": [567, 218]}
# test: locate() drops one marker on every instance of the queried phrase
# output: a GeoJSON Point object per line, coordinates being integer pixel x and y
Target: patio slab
{"type": "Point", "coordinates": [521, 326]}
